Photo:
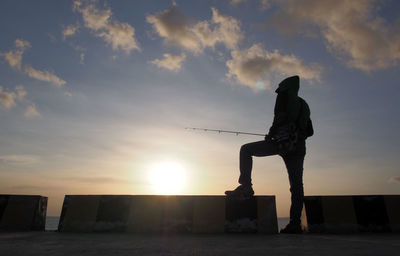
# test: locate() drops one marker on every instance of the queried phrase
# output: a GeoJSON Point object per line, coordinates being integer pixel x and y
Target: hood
{"type": "Point", "coordinates": [289, 85]}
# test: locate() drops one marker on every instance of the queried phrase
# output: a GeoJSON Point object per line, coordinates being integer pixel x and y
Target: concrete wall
{"type": "Point", "coordinates": [21, 212]}
{"type": "Point", "coordinates": [343, 214]}
{"type": "Point", "coordinates": [171, 214]}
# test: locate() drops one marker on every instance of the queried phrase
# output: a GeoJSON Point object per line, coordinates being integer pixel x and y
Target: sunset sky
{"type": "Point", "coordinates": [95, 95]}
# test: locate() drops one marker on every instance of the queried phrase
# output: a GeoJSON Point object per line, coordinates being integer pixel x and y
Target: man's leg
{"type": "Point", "coordinates": [294, 164]}
{"type": "Point", "coordinates": [247, 151]}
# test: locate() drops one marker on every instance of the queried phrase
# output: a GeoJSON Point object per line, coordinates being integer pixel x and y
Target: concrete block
{"type": "Point", "coordinates": [339, 214]}
{"type": "Point", "coordinates": [209, 214]}
{"type": "Point", "coordinates": [22, 212]}
{"type": "Point", "coordinates": [392, 203]}
{"type": "Point", "coordinates": [178, 215]}
{"type": "Point", "coordinates": [3, 204]}
{"type": "Point", "coordinates": [146, 214]}
{"type": "Point", "coordinates": [241, 215]}
{"type": "Point", "coordinates": [79, 213]}
{"type": "Point", "coordinates": [346, 214]}
{"type": "Point", "coordinates": [266, 215]}
{"type": "Point", "coordinates": [168, 214]}
{"type": "Point", "coordinates": [113, 213]}
{"type": "Point", "coordinates": [371, 213]}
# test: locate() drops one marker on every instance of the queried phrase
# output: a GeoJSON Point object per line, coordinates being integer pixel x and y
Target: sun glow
{"type": "Point", "coordinates": [167, 178]}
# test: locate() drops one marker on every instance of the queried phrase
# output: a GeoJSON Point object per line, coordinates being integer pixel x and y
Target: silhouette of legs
{"type": "Point", "coordinates": [247, 151]}
{"type": "Point", "coordinates": [294, 164]}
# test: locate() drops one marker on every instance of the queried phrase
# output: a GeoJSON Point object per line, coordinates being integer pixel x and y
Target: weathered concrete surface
{"type": "Point", "coordinates": [54, 243]}
{"type": "Point", "coordinates": [168, 214]}
{"type": "Point", "coordinates": [357, 213]}
{"type": "Point", "coordinates": [22, 212]}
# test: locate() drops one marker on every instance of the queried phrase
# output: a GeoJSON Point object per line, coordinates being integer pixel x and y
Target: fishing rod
{"type": "Point", "coordinates": [223, 131]}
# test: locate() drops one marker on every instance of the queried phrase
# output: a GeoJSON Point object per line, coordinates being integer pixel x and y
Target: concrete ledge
{"type": "Point", "coordinates": [346, 214]}
{"type": "Point", "coordinates": [168, 214]}
{"type": "Point", "coordinates": [22, 212]}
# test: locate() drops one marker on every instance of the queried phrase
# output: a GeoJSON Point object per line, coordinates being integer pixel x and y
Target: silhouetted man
{"type": "Point", "coordinates": [286, 137]}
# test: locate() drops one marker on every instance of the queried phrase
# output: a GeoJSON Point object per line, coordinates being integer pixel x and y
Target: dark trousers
{"type": "Point", "coordinates": [294, 165]}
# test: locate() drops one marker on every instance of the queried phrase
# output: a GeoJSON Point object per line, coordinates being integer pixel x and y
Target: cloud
{"type": "Point", "coordinates": [170, 62]}
{"type": "Point", "coordinates": [14, 57]}
{"type": "Point", "coordinates": [18, 188]}
{"type": "Point", "coordinates": [82, 58]}
{"type": "Point", "coordinates": [254, 67]}
{"type": "Point", "coordinates": [265, 4]}
{"type": "Point", "coordinates": [236, 2]}
{"type": "Point", "coordinates": [121, 36]}
{"type": "Point", "coordinates": [31, 111]}
{"type": "Point", "coordinates": [172, 25]}
{"type": "Point", "coordinates": [45, 75]}
{"type": "Point", "coordinates": [20, 91]}
{"type": "Point", "coordinates": [98, 180]}
{"type": "Point", "coordinates": [7, 99]}
{"type": "Point", "coordinates": [351, 30]}
{"type": "Point", "coordinates": [19, 159]}
{"type": "Point", "coordinates": [394, 180]}
{"type": "Point", "coordinates": [70, 30]}
{"type": "Point", "coordinates": [176, 29]}
{"type": "Point", "coordinates": [226, 31]}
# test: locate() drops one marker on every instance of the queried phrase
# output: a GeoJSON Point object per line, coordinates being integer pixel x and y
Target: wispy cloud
{"type": "Point", "coordinates": [352, 30]}
{"type": "Point", "coordinates": [102, 179]}
{"type": "Point", "coordinates": [170, 62]}
{"type": "Point", "coordinates": [255, 66]}
{"type": "Point", "coordinates": [14, 59]}
{"type": "Point", "coordinates": [236, 2]}
{"type": "Point", "coordinates": [121, 36]}
{"type": "Point", "coordinates": [265, 4]}
{"type": "Point", "coordinates": [19, 159]}
{"type": "Point", "coordinates": [394, 180]}
{"type": "Point", "coordinates": [44, 75]}
{"type": "Point", "coordinates": [70, 30]}
{"type": "Point", "coordinates": [20, 91]}
{"type": "Point", "coordinates": [176, 29]}
{"type": "Point", "coordinates": [31, 111]}
{"type": "Point", "coordinates": [82, 58]}
{"type": "Point", "coordinates": [26, 187]}
{"type": "Point", "coordinates": [8, 99]}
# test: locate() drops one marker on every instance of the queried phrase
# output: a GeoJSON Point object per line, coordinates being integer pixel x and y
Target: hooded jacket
{"type": "Point", "coordinates": [288, 104]}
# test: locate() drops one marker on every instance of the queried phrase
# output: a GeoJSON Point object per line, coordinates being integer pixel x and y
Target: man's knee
{"type": "Point", "coordinates": [244, 149]}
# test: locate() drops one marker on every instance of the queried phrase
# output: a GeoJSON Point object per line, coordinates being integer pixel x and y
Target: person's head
{"type": "Point", "coordinates": [289, 85]}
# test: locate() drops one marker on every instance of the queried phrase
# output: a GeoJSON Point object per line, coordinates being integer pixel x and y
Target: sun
{"type": "Point", "coordinates": [167, 178]}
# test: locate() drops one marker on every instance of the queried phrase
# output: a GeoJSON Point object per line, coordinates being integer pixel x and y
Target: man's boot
{"type": "Point", "coordinates": [241, 191]}
{"type": "Point", "coordinates": [292, 228]}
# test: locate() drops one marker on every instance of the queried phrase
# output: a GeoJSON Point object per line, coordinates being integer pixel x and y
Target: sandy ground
{"type": "Point", "coordinates": [54, 243]}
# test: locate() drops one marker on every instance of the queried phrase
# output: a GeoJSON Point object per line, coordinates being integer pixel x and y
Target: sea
{"type": "Point", "coordinates": [52, 223]}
